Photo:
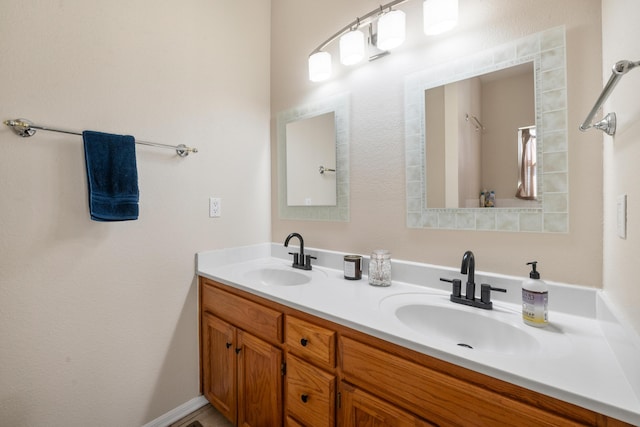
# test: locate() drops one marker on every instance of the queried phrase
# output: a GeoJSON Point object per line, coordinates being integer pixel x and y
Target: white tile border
{"type": "Point", "coordinates": [547, 51]}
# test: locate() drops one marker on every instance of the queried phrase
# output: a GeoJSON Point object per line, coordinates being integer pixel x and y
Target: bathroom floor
{"type": "Point", "coordinates": [207, 416]}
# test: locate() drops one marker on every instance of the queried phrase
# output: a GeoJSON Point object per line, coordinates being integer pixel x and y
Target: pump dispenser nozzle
{"type": "Point", "coordinates": [534, 274]}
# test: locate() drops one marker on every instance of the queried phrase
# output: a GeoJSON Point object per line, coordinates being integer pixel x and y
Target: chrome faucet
{"type": "Point", "coordinates": [468, 267]}
{"type": "Point", "coordinates": [299, 259]}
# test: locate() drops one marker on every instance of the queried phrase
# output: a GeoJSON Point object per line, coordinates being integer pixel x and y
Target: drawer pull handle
{"type": "Point", "coordinates": [304, 398]}
{"type": "Point", "coordinates": [304, 342]}
{"type": "Point", "coordinates": [229, 345]}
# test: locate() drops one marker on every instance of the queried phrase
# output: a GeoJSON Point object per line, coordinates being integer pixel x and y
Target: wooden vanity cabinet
{"type": "Point", "coordinates": [335, 376]}
{"type": "Point", "coordinates": [242, 374]}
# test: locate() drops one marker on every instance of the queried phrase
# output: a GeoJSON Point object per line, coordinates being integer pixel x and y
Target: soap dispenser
{"type": "Point", "coordinates": [535, 299]}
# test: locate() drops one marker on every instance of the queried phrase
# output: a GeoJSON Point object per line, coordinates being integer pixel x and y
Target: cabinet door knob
{"type": "Point", "coordinates": [229, 345]}
{"type": "Point", "coordinates": [238, 350]}
{"type": "Point", "coordinates": [304, 398]}
{"type": "Point", "coordinates": [304, 342]}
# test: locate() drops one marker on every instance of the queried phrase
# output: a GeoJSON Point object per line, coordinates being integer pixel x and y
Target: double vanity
{"type": "Point", "coordinates": [296, 347]}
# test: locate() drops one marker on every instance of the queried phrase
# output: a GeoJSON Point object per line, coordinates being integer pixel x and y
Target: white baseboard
{"type": "Point", "coordinates": [177, 413]}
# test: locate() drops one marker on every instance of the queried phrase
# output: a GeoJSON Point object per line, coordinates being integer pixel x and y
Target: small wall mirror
{"type": "Point", "coordinates": [492, 137]}
{"type": "Point", "coordinates": [313, 161]}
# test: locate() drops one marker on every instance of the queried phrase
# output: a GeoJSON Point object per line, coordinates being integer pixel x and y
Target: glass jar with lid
{"type": "Point", "coordinates": [380, 268]}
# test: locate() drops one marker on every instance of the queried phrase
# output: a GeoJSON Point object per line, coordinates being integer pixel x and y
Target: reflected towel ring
{"type": "Point", "coordinates": [322, 170]}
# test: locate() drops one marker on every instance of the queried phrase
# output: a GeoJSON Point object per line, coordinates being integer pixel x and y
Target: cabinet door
{"type": "Point", "coordinates": [219, 365]}
{"type": "Point", "coordinates": [259, 382]}
{"type": "Point", "coordinates": [360, 409]}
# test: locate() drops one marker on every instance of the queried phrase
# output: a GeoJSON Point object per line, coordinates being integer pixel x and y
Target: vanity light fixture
{"type": "Point", "coordinates": [439, 16]}
{"type": "Point", "coordinates": [352, 47]}
{"type": "Point", "coordinates": [391, 29]}
{"type": "Point", "coordinates": [319, 66]}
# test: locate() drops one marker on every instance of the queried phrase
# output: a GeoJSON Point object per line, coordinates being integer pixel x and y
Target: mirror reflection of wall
{"type": "Point", "coordinates": [311, 144]}
{"type": "Point", "coordinates": [471, 129]}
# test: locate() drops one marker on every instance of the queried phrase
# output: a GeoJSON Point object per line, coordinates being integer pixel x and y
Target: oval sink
{"type": "Point", "coordinates": [273, 276]}
{"type": "Point", "coordinates": [434, 316]}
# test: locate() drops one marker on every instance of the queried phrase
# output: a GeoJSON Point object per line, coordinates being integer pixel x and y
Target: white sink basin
{"type": "Point", "coordinates": [433, 316]}
{"type": "Point", "coordinates": [278, 276]}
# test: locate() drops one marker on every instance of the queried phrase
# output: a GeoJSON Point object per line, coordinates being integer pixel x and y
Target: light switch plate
{"type": "Point", "coordinates": [622, 216]}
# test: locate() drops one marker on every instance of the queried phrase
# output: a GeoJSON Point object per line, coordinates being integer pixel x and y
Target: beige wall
{"type": "Point", "coordinates": [377, 132]}
{"type": "Point", "coordinates": [621, 155]}
{"type": "Point", "coordinates": [98, 321]}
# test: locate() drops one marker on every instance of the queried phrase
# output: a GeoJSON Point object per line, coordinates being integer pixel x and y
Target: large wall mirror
{"type": "Point", "coordinates": [492, 123]}
{"type": "Point", "coordinates": [313, 161]}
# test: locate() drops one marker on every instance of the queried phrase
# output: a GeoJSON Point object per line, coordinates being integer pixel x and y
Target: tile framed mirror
{"type": "Point", "coordinates": [549, 211]}
{"type": "Point", "coordinates": [313, 160]}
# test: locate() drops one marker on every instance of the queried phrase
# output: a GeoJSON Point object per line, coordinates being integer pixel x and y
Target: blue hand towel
{"type": "Point", "coordinates": [112, 176]}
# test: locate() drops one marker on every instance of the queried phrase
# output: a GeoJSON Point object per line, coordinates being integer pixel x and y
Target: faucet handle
{"type": "Point", "coordinates": [295, 257]}
{"type": "Point", "coordinates": [485, 292]}
{"type": "Point", "coordinates": [457, 286]}
{"type": "Point", "coordinates": [307, 261]}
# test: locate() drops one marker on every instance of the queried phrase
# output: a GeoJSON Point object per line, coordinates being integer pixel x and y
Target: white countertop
{"type": "Point", "coordinates": [576, 363]}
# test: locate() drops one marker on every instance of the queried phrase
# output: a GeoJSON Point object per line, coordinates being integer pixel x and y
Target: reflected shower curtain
{"type": "Point", "coordinates": [527, 180]}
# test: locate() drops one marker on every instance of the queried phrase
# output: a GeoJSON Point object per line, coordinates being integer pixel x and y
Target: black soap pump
{"type": "Point", "coordinates": [535, 299]}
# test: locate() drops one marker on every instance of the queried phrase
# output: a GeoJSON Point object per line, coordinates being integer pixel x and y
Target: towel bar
{"type": "Point", "coordinates": [26, 128]}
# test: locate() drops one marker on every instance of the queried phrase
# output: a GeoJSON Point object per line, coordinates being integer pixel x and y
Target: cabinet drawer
{"type": "Point", "coordinates": [310, 341]}
{"type": "Point", "coordinates": [257, 319]}
{"type": "Point", "coordinates": [310, 394]}
{"type": "Point", "coordinates": [434, 395]}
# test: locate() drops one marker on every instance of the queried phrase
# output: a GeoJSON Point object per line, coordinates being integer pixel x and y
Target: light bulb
{"type": "Point", "coordinates": [391, 30]}
{"type": "Point", "coordinates": [319, 66]}
{"type": "Point", "coordinates": [352, 47]}
{"type": "Point", "coordinates": [439, 16]}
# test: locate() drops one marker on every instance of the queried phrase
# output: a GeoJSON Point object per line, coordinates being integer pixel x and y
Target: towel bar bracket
{"type": "Point", "coordinates": [25, 128]}
{"type": "Point", "coordinates": [21, 127]}
{"type": "Point", "coordinates": [608, 123]}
